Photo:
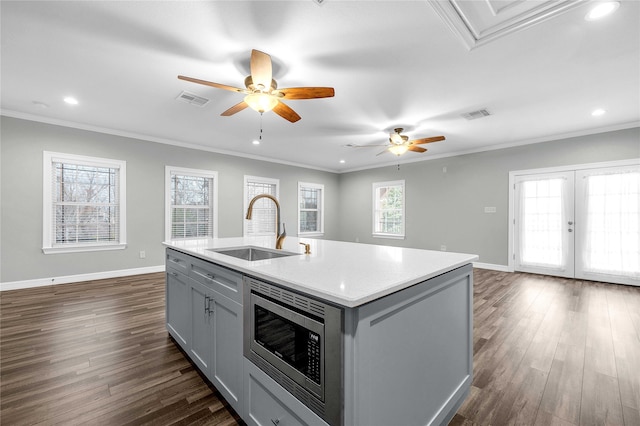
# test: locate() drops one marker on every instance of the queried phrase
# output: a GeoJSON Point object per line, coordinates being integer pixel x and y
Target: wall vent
{"type": "Point", "coordinates": [192, 99]}
{"type": "Point", "coordinates": [476, 114]}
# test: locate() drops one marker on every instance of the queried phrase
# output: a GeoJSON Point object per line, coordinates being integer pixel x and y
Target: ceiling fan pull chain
{"type": "Point", "coordinates": [261, 114]}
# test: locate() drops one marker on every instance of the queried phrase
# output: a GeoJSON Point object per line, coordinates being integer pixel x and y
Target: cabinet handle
{"type": "Point", "coordinates": [206, 305]}
{"type": "Point", "coordinates": [210, 276]}
{"type": "Point", "coordinates": [175, 274]}
{"type": "Point", "coordinates": [176, 260]}
{"type": "Point", "coordinates": [275, 422]}
{"type": "Point", "coordinates": [210, 308]}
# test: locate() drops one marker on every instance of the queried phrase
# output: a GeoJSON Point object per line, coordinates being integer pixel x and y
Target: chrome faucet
{"type": "Point", "coordinates": [279, 237]}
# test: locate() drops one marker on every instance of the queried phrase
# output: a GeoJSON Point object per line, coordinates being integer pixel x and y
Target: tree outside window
{"type": "Point", "coordinates": [192, 206]}
{"type": "Point", "coordinates": [388, 209]}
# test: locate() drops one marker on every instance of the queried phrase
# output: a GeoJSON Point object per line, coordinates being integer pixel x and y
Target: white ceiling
{"type": "Point", "coordinates": [398, 63]}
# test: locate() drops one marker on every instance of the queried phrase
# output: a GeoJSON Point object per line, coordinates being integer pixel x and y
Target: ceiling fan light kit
{"type": "Point", "coordinates": [398, 149]}
{"type": "Point", "coordinates": [261, 102]}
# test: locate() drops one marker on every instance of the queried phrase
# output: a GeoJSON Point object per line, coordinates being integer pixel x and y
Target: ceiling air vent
{"type": "Point", "coordinates": [476, 114]}
{"type": "Point", "coordinates": [192, 99]}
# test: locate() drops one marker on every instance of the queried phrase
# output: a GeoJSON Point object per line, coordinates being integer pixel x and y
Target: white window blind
{"type": "Point", "coordinates": [388, 209]}
{"type": "Point", "coordinates": [191, 210]}
{"type": "Point", "coordinates": [83, 203]}
{"type": "Point", "coordinates": [263, 219]}
{"type": "Point", "coordinates": [310, 209]}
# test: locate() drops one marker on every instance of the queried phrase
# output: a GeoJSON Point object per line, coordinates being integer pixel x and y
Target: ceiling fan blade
{"type": "Point", "coordinates": [416, 148]}
{"type": "Point", "coordinates": [261, 70]}
{"type": "Point", "coordinates": [286, 112]}
{"type": "Point", "coordinates": [236, 108]}
{"type": "Point", "coordinates": [307, 92]}
{"type": "Point", "coordinates": [427, 140]}
{"type": "Point", "coordinates": [212, 84]}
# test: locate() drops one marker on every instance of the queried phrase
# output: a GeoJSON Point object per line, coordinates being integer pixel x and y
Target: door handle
{"type": "Point", "coordinates": [570, 223]}
{"type": "Point", "coordinates": [570, 230]}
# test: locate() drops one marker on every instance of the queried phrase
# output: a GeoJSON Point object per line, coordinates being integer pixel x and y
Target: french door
{"type": "Point", "coordinates": [579, 223]}
{"type": "Point", "coordinates": [544, 242]}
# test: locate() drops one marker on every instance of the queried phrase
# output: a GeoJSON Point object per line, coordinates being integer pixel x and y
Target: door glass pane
{"type": "Point", "coordinates": [542, 223]}
{"type": "Point", "coordinates": [612, 223]}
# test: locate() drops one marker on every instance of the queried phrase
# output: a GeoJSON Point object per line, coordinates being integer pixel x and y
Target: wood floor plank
{"type": "Point", "coordinates": [547, 351]}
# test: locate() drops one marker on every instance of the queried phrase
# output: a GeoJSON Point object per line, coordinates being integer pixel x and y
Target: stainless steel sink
{"type": "Point", "coordinates": [253, 253]}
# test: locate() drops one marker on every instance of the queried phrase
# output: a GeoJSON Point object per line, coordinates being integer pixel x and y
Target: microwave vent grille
{"type": "Point", "coordinates": [289, 298]}
{"type": "Point", "coordinates": [290, 386]}
{"type": "Point", "coordinates": [316, 406]}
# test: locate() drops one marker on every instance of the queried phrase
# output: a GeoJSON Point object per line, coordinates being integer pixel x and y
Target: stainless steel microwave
{"type": "Point", "coordinates": [297, 341]}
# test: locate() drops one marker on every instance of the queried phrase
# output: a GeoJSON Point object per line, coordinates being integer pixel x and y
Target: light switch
{"type": "Point", "coordinates": [489, 209]}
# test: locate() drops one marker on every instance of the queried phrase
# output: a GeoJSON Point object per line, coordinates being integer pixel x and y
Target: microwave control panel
{"type": "Point", "coordinates": [313, 357]}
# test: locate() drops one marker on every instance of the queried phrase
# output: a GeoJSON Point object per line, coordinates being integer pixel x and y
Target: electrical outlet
{"type": "Point", "coordinates": [489, 209]}
{"type": "Point", "coordinates": [443, 248]}
{"type": "Point", "coordinates": [142, 254]}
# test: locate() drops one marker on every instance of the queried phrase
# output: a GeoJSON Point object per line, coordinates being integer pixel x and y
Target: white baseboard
{"type": "Point", "coordinates": [40, 282]}
{"type": "Point", "coordinates": [491, 266]}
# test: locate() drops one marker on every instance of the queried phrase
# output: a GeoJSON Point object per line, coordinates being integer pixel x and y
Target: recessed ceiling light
{"type": "Point", "coordinates": [342, 161]}
{"type": "Point", "coordinates": [598, 112]}
{"type": "Point", "coordinates": [71, 101]}
{"type": "Point", "coordinates": [256, 142]}
{"type": "Point", "coordinates": [601, 10]}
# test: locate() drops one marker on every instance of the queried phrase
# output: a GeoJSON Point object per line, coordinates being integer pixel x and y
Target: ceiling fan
{"type": "Point", "coordinates": [399, 143]}
{"type": "Point", "coordinates": [262, 93]}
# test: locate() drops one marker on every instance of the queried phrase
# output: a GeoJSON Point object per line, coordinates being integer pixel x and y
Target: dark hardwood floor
{"type": "Point", "coordinates": [547, 351]}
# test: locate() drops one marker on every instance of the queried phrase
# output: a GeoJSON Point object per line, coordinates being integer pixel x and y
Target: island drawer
{"type": "Point", "coordinates": [267, 403]}
{"type": "Point", "coordinates": [178, 261]}
{"type": "Point", "coordinates": [217, 278]}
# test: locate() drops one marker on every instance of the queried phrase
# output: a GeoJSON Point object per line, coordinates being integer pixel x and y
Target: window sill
{"type": "Point", "coordinates": [388, 236]}
{"type": "Point", "coordinates": [82, 248]}
{"type": "Point", "coordinates": [310, 234]}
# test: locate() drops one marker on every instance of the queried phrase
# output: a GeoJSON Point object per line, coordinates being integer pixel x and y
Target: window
{"type": "Point", "coordinates": [263, 220]}
{"type": "Point", "coordinates": [388, 209]}
{"type": "Point", "coordinates": [191, 203]}
{"type": "Point", "coordinates": [310, 209]}
{"type": "Point", "coordinates": [83, 203]}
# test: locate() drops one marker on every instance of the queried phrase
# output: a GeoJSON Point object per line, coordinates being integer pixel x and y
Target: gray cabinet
{"type": "Point", "coordinates": [177, 306]}
{"type": "Point", "coordinates": [269, 404]}
{"type": "Point", "coordinates": [200, 298]}
{"type": "Point", "coordinates": [216, 341]}
{"type": "Point", "coordinates": [206, 322]}
{"type": "Point", "coordinates": [226, 360]}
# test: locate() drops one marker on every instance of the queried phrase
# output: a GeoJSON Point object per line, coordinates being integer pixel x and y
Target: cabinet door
{"type": "Point", "coordinates": [201, 303]}
{"type": "Point", "coordinates": [226, 367]}
{"type": "Point", "coordinates": [177, 309]}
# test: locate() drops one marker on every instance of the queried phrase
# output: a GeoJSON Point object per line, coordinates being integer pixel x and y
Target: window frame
{"type": "Point", "coordinates": [245, 203]}
{"type": "Point", "coordinates": [213, 201]}
{"type": "Point", "coordinates": [375, 187]}
{"type": "Point", "coordinates": [48, 244]}
{"type": "Point", "coordinates": [319, 187]}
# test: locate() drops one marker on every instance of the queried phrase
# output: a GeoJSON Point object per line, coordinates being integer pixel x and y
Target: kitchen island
{"type": "Point", "coordinates": [406, 337]}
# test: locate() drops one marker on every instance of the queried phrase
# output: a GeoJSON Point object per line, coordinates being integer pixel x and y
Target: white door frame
{"type": "Point", "coordinates": [568, 168]}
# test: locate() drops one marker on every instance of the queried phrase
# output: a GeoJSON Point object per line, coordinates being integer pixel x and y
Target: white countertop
{"type": "Point", "coordinates": [347, 274]}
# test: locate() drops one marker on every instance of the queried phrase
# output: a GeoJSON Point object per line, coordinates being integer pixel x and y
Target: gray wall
{"type": "Point", "coordinates": [22, 144]}
{"type": "Point", "coordinates": [448, 208]}
{"type": "Point", "coordinates": [441, 208]}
